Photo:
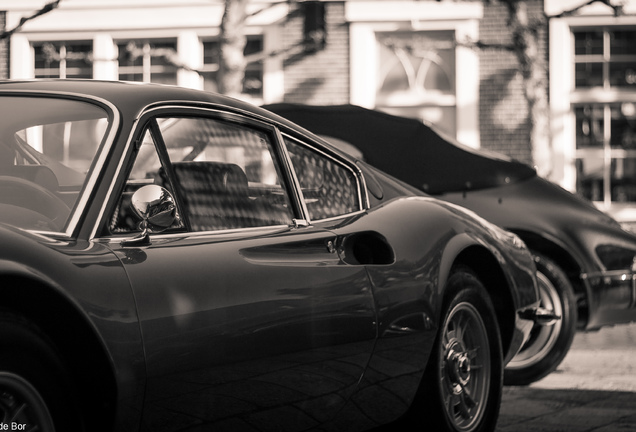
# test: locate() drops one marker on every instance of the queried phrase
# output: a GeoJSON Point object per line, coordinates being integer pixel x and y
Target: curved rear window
{"type": "Point", "coordinates": [47, 148]}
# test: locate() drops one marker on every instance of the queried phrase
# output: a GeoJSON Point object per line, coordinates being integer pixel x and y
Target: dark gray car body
{"type": "Point", "coordinates": [594, 251]}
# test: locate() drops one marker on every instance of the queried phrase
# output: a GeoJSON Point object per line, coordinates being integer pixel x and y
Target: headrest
{"type": "Point", "coordinates": [39, 174]}
{"type": "Point", "coordinates": [212, 177]}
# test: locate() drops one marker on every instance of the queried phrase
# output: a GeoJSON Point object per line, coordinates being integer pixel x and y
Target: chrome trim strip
{"type": "Point", "coordinates": [364, 193]}
{"type": "Point", "coordinates": [610, 274]}
{"type": "Point", "coordinates": [96, 172]}
{"type": "Point", "coordinates": [89, 184]}
{"type": "Point", "coordinates": [196, 234]}
{"type": "Point", "coordinates": [120, 164]}
{"type": "Point", "coordinates": [295, 183]}
{"type": "Point", "coordinates": [344, 216]}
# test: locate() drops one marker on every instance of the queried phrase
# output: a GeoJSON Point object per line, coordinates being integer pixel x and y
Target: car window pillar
{"type": "Point", "coordinates": [300, 208]}
{"type": "Point", "coordinates": [162, 150]}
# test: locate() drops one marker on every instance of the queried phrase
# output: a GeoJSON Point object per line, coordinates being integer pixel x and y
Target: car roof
{"type": "Point", "coordinates": [407, 148]}
{"type": "Point", "coordinates": [129, 97]}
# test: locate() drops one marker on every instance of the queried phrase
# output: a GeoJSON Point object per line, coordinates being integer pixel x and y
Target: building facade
{"type": "Point", "coordinates": [399, 56]}
{"type": "Point", "coordinates": [592, 66]}
{"type": "Point", "coordinates": [410, 58]}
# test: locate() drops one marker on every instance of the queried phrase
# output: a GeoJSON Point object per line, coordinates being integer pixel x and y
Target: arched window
{"type": "Point", "coordinates": [416, 76]}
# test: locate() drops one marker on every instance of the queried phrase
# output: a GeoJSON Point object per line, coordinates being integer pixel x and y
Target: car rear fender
{"type": "Point", "coordinates": [467, 251]}
{"type": "Point", "coordinates": [30, 295]}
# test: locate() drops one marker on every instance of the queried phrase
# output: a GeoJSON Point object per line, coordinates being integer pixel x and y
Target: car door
{"type": "Point", "coordinates": [401, 271]}
{"type": "Point", "coordinates": [248, 315]}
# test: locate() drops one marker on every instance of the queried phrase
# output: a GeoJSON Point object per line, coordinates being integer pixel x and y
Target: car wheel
{"type": "Point", "coordinates": [34, 387]}
{"type": "Point", "coordinates": [462, 385]}
{"type": "Point", "coordinates": [548, 344]}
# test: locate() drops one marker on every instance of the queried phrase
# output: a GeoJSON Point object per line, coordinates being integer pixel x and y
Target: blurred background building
{"type": "Point", "coordinates": [439, 60]}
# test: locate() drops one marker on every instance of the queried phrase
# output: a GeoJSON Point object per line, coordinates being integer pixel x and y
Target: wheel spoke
{"type": "Point", "coordinates": [467, 398]}
{"type": "Point", "coordinates": [446, 338]}
{"type": "Point", "coordinates": [466, 403]}
{"type": "Point", "coordinates": [461, 407]}
{"type": "Point", "coordinates": [472, 353]}
{"type": "Point", "coordinates": [461, 326]}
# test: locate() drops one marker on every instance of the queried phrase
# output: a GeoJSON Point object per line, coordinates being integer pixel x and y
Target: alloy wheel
{"type": "Point", "coordinates": [465, 366]}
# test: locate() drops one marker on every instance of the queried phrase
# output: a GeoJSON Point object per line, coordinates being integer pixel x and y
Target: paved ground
{"type": "Point", "coordinates": [593, 390]}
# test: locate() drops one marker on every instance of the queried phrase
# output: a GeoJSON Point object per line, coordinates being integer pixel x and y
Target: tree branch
{"type": "Point", "coordinates": [46, 9]}
{"type": "Point", "coordinates": [618, 9]}
{"type": "Point", "coordinates": [485, 45]}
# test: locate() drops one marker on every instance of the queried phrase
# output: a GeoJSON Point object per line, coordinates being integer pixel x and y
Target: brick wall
{"type": "Point", "coordinates": [323, 77]}
{"type": "Point", "coordinates": [4, 49]}
{"type": "Point", "coordinates": [319, 78]}
{"type": "Point", "coordinates": [503, 111]}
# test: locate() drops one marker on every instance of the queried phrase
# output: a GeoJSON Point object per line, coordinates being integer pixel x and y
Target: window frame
{"type": "Point", "coordinates": [62, 70]}
{"type": "Point", "coordinates": [148, 52]}
{"type": "Point", "coordinates": [603, 96]}
{"type": "Point", "coordinates": [357, 174]}
{"type": "Point", "coordinates": [145, 124]}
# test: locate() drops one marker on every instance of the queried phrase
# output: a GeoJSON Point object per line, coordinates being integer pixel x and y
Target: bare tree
{"type": "Point", "coordinates": [46, 9]}
{"type": "Point", "coordinates": [232, 42]}
{"type": "Point", "coordinates": [525, 45]}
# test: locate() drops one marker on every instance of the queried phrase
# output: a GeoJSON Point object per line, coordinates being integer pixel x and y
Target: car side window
{"type": "Point", "coordinates": [225, 174]}
{"type": "Point", "coordinates": [329, 188]}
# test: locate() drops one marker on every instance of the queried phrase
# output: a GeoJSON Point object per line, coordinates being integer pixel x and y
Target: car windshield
{"type": "Point", "coordinates": [47, 148]}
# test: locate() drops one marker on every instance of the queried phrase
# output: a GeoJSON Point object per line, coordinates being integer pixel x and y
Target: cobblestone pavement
{"type": "Point", "coordinates": [593, 390]}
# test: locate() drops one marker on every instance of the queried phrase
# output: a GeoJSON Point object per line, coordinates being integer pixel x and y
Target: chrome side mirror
{"type": "Point", "coordinates": [157, 210]}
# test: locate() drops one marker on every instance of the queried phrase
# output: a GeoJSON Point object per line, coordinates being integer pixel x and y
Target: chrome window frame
{"type": "Point", "coordinates": [214, 111]}
{"type": "Point", "coordinates": [363, 203]}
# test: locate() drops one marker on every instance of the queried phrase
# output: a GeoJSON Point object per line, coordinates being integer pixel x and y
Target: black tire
{"type": "Point", "coordinates": [462, 385]}
{"type": "Point", "coordinates": [548, 345]}
{"type": "Point", "coordinates": [34, 385]}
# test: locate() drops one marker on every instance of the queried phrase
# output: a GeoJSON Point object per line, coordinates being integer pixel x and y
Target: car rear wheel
{"type": "Point", "coordinates": [548, 344]}
{"type": "Point", "coordinates": [34, 387]}
{"type": "Point", "coordinates": [462, 385]}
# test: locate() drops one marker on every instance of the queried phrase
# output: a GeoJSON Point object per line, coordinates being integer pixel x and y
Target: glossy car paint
{"type": "Point", "coordinates": [573, 225]}
{"type": "Point", "coordinates": [549, 219]}
{"type": "Point", "coordinates": [280, 325]}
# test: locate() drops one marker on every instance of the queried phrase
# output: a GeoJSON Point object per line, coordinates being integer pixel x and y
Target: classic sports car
{"type": "Point", "coordinates": [585, 260]}
{"type": "Point", "coordinates": [174, 260]}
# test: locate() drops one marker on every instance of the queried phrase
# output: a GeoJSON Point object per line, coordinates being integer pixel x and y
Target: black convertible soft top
{"type": "Point", "coordinates": [407, 148]}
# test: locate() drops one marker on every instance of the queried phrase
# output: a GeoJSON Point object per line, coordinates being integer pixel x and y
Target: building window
{"type": "Point", "coordinates": [605, 60]}
{"type": "Point", "coordinates": [253, 81]}
{"type": "Point", "coordinates": [148, 61]}
{"type": "Point", "coordinates": [416, 76]}
{"type": "Point", "coordinates": [606, 151]}
{"type": "Point", "coordinates": [63, 59]}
